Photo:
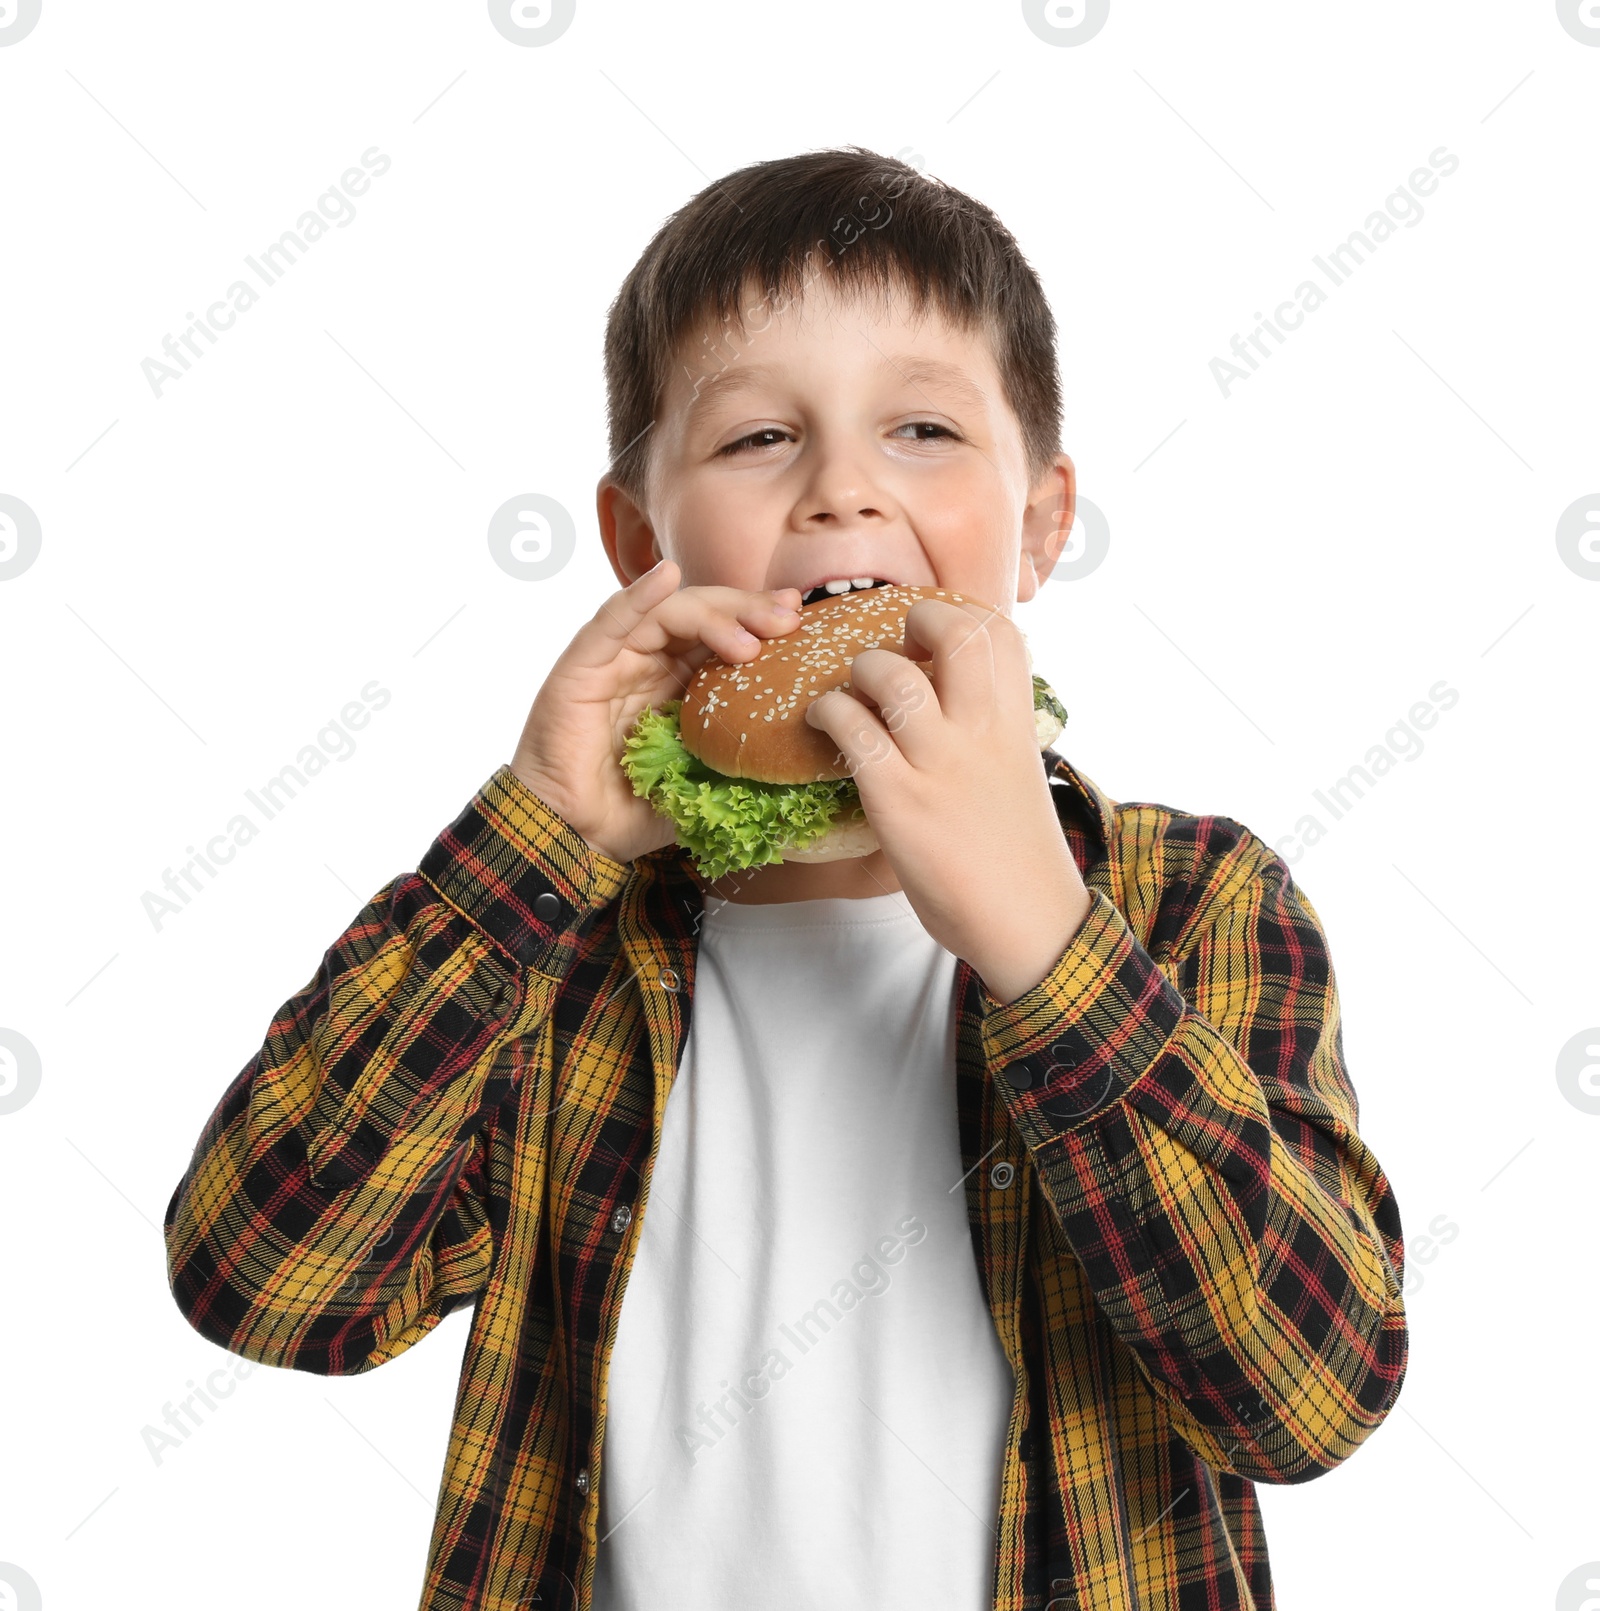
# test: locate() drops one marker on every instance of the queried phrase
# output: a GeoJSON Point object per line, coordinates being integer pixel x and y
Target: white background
{"type": "Point", "coordinates": [1291, 569]}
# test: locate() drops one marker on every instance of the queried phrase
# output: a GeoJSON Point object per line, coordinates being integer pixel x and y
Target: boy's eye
{"type": "Point", "coordinates": [744, 441]}
{"type": "Point", "coordinates": [754, 438]}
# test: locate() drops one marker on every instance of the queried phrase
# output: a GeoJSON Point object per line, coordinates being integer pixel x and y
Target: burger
{"type": "Point", "coordinates": [738, 770]}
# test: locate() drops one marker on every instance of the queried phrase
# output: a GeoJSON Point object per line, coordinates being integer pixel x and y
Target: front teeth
{"type": "Point", "coordinates": [838, 585]}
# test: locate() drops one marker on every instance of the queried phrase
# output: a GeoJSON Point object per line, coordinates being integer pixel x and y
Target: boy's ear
{"type": "Point", "coordinates": [625, 530]}
{"type": "Point", "coordinates": [1046, 525]}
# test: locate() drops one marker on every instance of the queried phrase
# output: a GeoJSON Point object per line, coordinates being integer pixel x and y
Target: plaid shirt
{"type": "Point", "coordinates": [1192, 1260]}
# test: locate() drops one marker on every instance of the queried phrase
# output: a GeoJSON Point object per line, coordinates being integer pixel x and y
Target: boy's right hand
{"type": "Point", "coordinates": [641, 648]}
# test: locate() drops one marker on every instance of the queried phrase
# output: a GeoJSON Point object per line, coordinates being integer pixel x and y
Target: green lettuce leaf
{"type": "Point", "coordinates": [727, 824]}
{"type": "Point", "coordinates": [1044, 698]}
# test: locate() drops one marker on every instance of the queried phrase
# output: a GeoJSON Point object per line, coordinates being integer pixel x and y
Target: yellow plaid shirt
{"type": "Point", "coordinates": [1192, 1260]}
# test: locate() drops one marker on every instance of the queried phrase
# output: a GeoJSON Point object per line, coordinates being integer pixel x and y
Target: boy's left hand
{"type": "Point", "coordinates": [941, 743]}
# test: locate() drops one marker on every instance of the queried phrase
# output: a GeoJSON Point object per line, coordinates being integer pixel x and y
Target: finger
{"type": "Point", "coordinates": [865, 747]}
{"type": "Point", "coordinates": [653, 617]}
{"type": "Point", "coordinates": [962, 659]}
{"type": "Point", "coordinates": [627, 621]}
{"type": "Point", "coordinates": [623, 622]}
{"type": "Point", "coordinates": [621, 615]}
{"type": "Point", "coordinates": [905, 699]}
{"type": "Point", "coordinates": [728, 620]}
{"type": "Point", "coordinates": [979, 660]}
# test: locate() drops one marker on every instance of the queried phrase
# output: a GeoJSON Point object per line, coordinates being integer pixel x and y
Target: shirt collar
{"type": "Point", "coordinates": [1093, 801]}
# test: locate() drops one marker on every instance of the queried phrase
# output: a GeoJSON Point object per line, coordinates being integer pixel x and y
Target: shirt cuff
{"type": "Point", "coordinates": [1086, 1034]}
{"type": "Point", "coordinates": [520, 872]}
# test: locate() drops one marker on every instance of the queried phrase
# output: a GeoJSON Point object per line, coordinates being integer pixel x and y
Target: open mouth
{"type": "Point", "coordinates": [841, 585]}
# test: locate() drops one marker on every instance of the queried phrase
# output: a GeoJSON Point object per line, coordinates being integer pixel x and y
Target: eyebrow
{"type": "Point", "coordinates": [914, 370]}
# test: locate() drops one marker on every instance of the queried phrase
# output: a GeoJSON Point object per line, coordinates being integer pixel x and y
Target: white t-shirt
{"type": "Point", "coordinates": [807, 1400]}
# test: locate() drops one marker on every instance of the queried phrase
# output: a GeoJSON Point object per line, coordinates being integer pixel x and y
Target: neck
{"type": "Point", "coordinates": [850, 878]}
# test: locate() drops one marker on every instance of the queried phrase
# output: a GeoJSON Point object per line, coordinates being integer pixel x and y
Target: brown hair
{"type": "Point", "coordinates": [868, 220]}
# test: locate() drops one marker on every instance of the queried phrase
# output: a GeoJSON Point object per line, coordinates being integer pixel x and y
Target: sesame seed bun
{"type": "Point", "coordinates": [748, 719]}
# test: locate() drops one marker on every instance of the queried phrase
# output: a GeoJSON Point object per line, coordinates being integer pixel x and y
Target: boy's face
{"type": "Point", "coordinates": [841, 438]}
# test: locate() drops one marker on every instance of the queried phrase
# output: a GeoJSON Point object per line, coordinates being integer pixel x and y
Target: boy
{"type": "Point", "coordinates": [1008, 1219]}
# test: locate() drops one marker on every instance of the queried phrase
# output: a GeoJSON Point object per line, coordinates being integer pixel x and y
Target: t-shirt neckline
{"type": "Point", "coordinates": [834, 911]}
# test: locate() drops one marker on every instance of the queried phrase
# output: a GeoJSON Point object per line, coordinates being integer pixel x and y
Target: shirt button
{"type": "Point", "coordinates": [1019, 1076]}
{"type": "Point", "coordinates": [1001, 1176]}
{"type": "Point", "coordinates": [582, 1482]}
{"type": "Point", "coordinates": [621, 1218]}
{"type": "Point", "coordinates": [547, 908]}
